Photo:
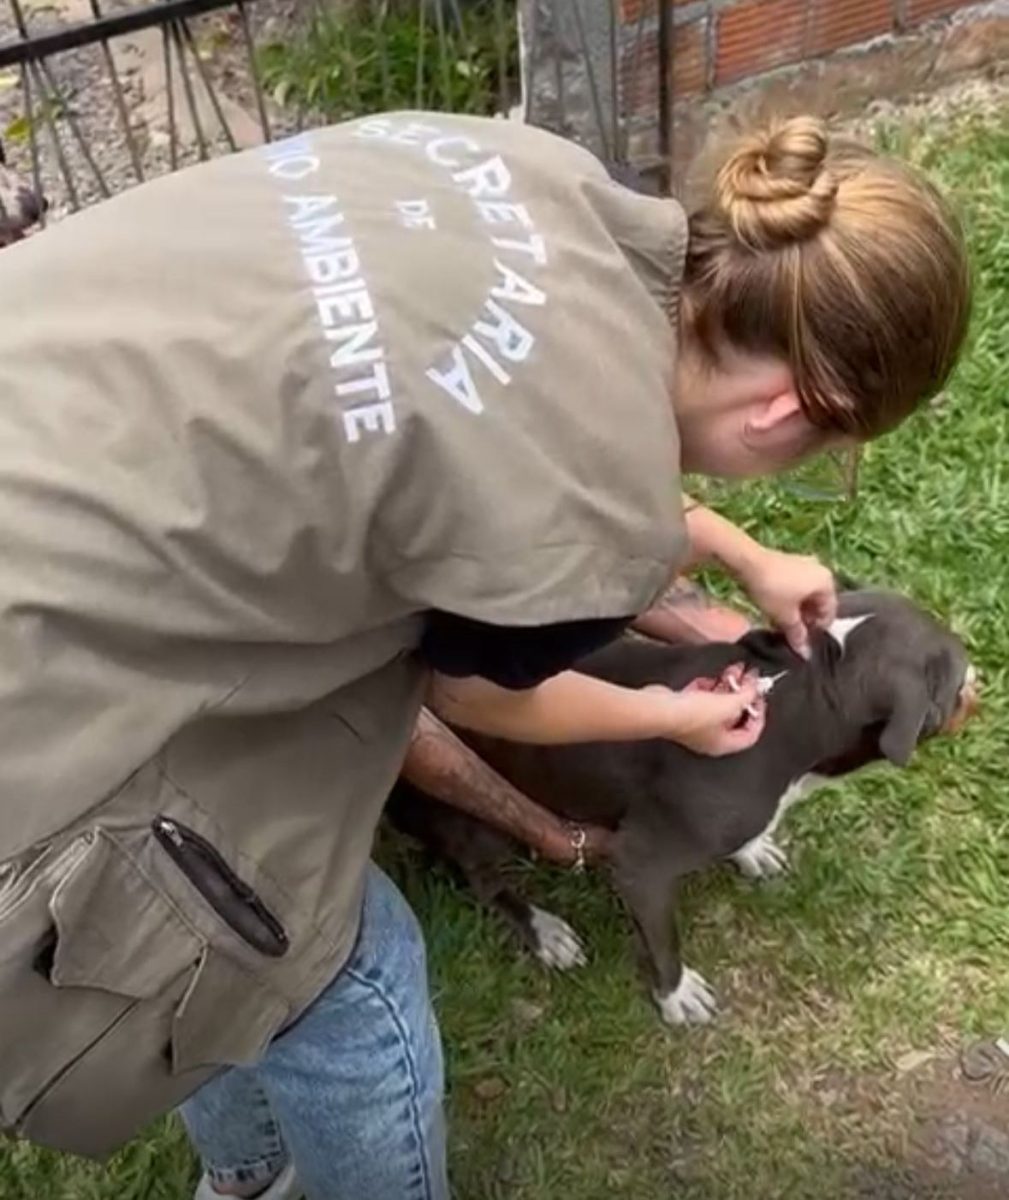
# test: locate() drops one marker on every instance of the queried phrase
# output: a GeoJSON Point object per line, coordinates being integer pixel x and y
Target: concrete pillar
{"type": "Point", "coordinates": [567, 61]}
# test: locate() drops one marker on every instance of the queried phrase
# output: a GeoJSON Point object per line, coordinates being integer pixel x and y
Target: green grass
{"type": "Point", "coordinates": [356, 59]}
{"type": "Point", "coordinates": [887, 937]}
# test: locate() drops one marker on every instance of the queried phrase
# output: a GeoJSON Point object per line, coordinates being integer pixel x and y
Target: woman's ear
{"type": "Point", "coordinates": [778, 431]}
{"type": "Point", "coordinates": [775, 413]}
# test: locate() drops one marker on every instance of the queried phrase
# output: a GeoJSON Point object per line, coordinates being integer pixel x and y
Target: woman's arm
{"type": "Point", "coordinates": [715, 539]}
{"type": "Point", "coordinates": [794, 591]}
{"type": "Point", "coordinates": [572, 707]}
{"type": "Point", "coordinates": [444, 767]}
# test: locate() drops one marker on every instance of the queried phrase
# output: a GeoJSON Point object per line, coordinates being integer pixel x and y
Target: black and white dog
{"type": "Point", "coordinates": [884, 678]}
{"type": "Point", "coordinates": [21, 206]}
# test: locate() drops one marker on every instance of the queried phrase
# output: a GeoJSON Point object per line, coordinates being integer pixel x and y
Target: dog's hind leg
{"type": "Point", "coordinates": [479, 854]}
{"type": "Point", "coordinates": [548, 936]}
{"type": "Point", "coordinates": [647, 874]}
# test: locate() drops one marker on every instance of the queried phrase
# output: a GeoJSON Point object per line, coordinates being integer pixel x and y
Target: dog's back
{"type": "Point", "coordinates": [598, 782]}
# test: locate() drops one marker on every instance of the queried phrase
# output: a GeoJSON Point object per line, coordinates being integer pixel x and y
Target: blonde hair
{"type": "Point", "coordinates": [846, 264]}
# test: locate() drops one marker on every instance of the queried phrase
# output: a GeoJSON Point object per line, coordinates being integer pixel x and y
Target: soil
{"type": "Point", "coordinates": [950, 1138]}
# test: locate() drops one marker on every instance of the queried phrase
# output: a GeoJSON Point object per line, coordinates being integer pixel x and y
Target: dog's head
{"type": "Point", "coordinates": [890, 672]}
{"type": "Point", "coordinates": [21, 206]}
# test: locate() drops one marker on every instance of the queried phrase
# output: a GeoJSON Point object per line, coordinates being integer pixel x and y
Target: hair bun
{"type": "Point", "coordinates": [775, 188]}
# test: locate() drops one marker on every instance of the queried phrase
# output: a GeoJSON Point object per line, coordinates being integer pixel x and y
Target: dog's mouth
{"type": "Point", "coordinates": [967, 702]}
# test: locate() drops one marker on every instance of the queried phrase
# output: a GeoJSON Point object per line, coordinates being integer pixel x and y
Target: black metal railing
{"type": "Point", "coordinates": [583, 73]}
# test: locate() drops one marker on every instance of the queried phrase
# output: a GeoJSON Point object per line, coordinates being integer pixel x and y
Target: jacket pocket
{"type": "Point", "coordinates": [87, 947]}
{"type": "Point", "coordinates": [226, 1016]}
{"type": "Point", "coordinates": [227, 894]}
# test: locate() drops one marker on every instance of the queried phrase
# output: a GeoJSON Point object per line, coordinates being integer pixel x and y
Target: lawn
{"type": "Point", "coordinates": [886, 945]}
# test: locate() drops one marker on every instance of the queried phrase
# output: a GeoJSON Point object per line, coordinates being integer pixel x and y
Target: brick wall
{"type": "Point", "coordinates": [822, 55]}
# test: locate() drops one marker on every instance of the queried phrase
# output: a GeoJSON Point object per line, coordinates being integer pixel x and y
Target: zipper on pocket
{"type": "Point", "coordinates": [230, 897]}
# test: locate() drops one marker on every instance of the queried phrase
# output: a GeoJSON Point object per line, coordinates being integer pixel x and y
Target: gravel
{"type": "Point", "coordinates": [89, 122]}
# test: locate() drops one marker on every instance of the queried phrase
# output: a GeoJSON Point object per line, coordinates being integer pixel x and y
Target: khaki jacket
{"type": "Point", "coordinates": [257, 418]}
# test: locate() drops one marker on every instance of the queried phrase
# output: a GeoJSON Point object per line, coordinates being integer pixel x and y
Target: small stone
{"type": "Point", "coordinates": [990, 1151]}
{"type": "Point", "coordinates": [950, 1145]}
{"type": "Point", "coordinates": [912, 1061]}
{"type": "Point", "coordinates": [489, 1089]}
{"type": "Point", "coordinates": [526, 1012]}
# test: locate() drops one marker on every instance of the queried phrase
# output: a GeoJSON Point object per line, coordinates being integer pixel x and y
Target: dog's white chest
{"type": "Point", "coordinates": [761, 856]}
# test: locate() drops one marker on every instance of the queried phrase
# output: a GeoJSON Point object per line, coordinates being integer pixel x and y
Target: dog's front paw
{"type": "Point", "coordinates": [761, 858]}
{"type": "Point", "coordinates": [555, 943]}
{"type": "Point", "coordinates": [692, 1002]}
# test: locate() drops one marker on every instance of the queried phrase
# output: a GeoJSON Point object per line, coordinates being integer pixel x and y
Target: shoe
{"type": "Point", "coordinates": [284, 1187]}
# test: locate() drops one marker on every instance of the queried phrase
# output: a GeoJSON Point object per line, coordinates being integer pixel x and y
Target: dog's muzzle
{"type": "Point", "coordinates": [967, 702]}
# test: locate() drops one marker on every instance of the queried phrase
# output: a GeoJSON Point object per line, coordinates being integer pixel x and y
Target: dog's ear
{"type": "Point", "coordinates": [920, 703]}
{"type": "Point", "coordinates": [903, 729]}
{"type": "Point", "coordinates": [770, 648]}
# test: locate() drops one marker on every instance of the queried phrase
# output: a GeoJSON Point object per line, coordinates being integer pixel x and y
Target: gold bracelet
{"type": "Point", "coordinates": [579, 840]}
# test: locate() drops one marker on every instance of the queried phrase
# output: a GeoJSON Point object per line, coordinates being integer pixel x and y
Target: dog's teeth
{"type": "Point", "coordinates": [557, 944]}
{"type": "Point", "coordinates": [692, 1003]}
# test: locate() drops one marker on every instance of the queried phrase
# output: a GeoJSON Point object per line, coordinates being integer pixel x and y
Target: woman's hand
{"type": "Point", "coordinates": [795, 592]}
{"type": "Point", "coordinates": [442, 765]}
{"type": "Point", "coordinates": [715, 717]}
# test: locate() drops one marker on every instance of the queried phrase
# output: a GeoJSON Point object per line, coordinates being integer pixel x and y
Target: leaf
{"type": "Point", "coordinates": [464, 68]}
{"type": "Point", "coordinates": [19, 129]}
{"type": "Point", "coordinates": [8, 80]}
{"type": "Point", "coordinates": [282, 91]}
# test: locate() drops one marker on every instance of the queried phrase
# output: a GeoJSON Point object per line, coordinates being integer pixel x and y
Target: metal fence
{"type": "Point", "coordinates": [77, 77]}
{"type": "Point", "coordinates": [76, 98]}
{"type": "Point", "coordinates": [602, 73]}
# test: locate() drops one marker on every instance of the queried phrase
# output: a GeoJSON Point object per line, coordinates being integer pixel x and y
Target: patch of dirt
{"type": "Point", "coordinates": [962, 1135]}
{"type": "Point", "coordinates": [946, 1138]}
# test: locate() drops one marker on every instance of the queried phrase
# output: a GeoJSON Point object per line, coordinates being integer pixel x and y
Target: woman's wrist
{"type": "Point", "coordinates": [745, 560]}
{"type": "Point", "coordinates": [665, 713]}
{"type": "Point", "coordinates": [713, 538]}
{"type": "Point", "coordinates": [568, 708]}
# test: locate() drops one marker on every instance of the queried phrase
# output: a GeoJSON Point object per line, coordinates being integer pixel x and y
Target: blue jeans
{"type": "Point", "coordinates": [353, 1092]}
